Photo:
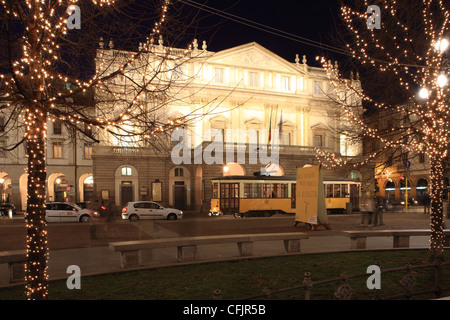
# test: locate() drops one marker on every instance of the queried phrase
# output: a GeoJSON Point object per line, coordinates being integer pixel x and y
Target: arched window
{"type": "Point", "coordinates": [179, 172]}
{"type": "Point", "coordinates": [127, 171]}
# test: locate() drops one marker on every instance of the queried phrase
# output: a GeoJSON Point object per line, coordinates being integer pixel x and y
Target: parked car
{"type": "Point", "coordinates": [134, 211]}
{"type": "Point", "coordinates": [68, 212]}
{"type": "Point", "coordinates": [7, 209]}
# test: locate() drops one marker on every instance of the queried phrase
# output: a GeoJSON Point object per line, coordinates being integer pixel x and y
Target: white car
{"type": "Point", "coordinates": [134, 211]}
{"type": "Point", "coordinates": [68, 212]}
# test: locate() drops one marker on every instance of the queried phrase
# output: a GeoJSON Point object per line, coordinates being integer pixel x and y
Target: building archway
{"type": "Point", "coordinates": [126, 186]}
{"type": "Point", "coordinates": [389, 190]}
{"type": "Point", "coordinates": [86, 187]}
{"type": "Point", "coordinates": [233, 169]}
{"type": "Point", "coordinates": [56, 187]}
{"type": "Point", "coordinates": [23, 189]}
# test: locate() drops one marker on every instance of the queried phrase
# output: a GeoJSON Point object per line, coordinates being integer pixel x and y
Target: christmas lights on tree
{"type": "Point", "coordinates": [411, 46]}
{"type": "Point", "coordinates": [30, 88]}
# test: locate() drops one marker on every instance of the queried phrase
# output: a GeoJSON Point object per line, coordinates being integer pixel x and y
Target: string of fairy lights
{"type": "Point", "coordinates": [429, 107]}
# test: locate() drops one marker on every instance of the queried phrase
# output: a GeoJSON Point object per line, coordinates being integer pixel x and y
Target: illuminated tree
{"type": "Point", "coordinates": [407, 53]}
{"type": "Point", "coordinates": [45, 66]}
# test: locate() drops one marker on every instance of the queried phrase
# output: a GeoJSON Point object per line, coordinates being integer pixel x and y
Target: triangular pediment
{"type": "Point", "coordinates": [319, 126]}
{"type": "Point", "coordinates": [252, 55]}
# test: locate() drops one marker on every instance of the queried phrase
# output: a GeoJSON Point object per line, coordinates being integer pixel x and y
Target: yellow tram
{"type": "Point", "coordinates": [269, 195]}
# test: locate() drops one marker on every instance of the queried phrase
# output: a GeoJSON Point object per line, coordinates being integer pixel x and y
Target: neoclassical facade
{"type": "Point", "coordinates": [238, 98]}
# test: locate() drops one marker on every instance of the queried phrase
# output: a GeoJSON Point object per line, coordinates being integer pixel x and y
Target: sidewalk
{"type": "Point", "coordinates": [99, 260]}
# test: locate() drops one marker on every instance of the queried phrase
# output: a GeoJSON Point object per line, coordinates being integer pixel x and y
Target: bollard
{"type": "Point", "coordinates": [307, 285]}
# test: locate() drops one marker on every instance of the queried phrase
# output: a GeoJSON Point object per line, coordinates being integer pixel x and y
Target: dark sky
{"type": "Point", "coordinates": [311, 19]}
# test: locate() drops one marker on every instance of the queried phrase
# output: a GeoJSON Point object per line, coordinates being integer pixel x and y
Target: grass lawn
{"type": "Point", "coordinates": [246, 277]}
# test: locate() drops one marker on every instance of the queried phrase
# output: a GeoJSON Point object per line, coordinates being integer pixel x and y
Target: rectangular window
{"type": "Point", "coordinates": [253, 79]}
{"type": "Point", "coordinates": [88, 151]}
{"type": "Point", "coordinates": [218, 75]}
{"type": "Point", "coordinates": [286, 83]}
{"type": "Point", "coordinates": [248, 190]}
{"type": "Point", "coordinates": [318, 140]}
{"type": "Point", "coordinates": [126, 171]}
{"type": "Point", "coordinates": [344, 191]}
{"type": "Point", "coordinates": [57, 127]}
{"type": "Point", "coordinates": [57, 150]}
{"type": "Point", "coordinates": [286, 138]}
{"type": "Point", "coordinates": [215, 190]}
{"type": "Point", "coordinates": [337, 190]}
{"type": "Point", "coordinates": [317, 87]}
{"type": "Point", "coordinates": [329, 191]}
{"type": "Point", "coordinates": [2, 124]}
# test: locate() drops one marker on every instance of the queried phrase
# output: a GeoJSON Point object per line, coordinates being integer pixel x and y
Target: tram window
{"type": "Point", "coordinates": [267, 190]}
{"type": "Point", "coordinates": [248, 190]}
{"type": "Point", "coordinates": [257, 190]}
{"type": "Point", "coordinates": [283, 190]}
{"type": "Point", "coordinates": [215, 190]}
{"type": "Point", "coordinates": [337, 190]}
{"type": "Point", "coordinates": [344, 190]}
{"type": "Point", "coordinates": [275, 191]}
{"type": "Point", "coordinates": [329, 192]}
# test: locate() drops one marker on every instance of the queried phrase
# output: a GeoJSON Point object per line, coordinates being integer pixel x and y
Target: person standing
{"type": "Point", "coordinates": [426, 203]}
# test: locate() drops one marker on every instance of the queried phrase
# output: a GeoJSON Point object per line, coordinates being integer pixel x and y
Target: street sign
{"type": "Point", "coordinates": [407, 164]}
{"type": "Point", "coordinates": [69, 188]}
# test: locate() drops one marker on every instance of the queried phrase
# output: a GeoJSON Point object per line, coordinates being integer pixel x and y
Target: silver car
{"type": "Point", "coordinates": [68, 212]}
{"type": "Point", "coordinates": [134, 211]}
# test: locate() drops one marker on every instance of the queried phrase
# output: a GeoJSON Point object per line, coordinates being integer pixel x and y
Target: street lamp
{"type": "Point", "coordinates": [441, 45]}
{"type": "Point", "coordinates": [442, 80]}
{"type": "Point", "coordinates": [423, 93]}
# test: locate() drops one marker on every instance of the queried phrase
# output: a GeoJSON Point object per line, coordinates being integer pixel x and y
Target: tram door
{"type": "Point", "coordinates": [229, 197]}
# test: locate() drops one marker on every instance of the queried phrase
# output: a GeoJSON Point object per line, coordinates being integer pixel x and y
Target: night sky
{"type": "Point", "coordinates": [313, 19]}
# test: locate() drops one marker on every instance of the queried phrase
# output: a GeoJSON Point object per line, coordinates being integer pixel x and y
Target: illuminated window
{"type": "Point", "coordinates": [286, 84]}
{"type": "Point", "coordinates": [127, 171]}
{"type": "Point", "coordinates": [317, 87]}
{"type": "Point", "coordinates": [318, 140]}
{"type": "Point", "coordinates": [57, 150]}
{"type": "Point", "coordinates": [253, 79]}
{"type": "Point", "coordinates": [179, 172]}
{"type": "Point", "coordinates": [88, 151]}
{"type": "Point", "coordinates": [218, 75]}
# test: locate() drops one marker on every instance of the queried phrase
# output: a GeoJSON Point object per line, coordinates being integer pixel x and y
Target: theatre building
{"type": "Point", "coordinates": [246, 94]}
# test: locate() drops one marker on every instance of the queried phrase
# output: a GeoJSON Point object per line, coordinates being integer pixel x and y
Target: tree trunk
{"type": "Point", "coordinates": [436, 215]}
{"type": "Point", "coordinates": [36, 266]}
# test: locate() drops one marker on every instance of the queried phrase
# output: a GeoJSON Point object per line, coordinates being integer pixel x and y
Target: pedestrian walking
{"type": "Point", "coordinates": [426, 203]}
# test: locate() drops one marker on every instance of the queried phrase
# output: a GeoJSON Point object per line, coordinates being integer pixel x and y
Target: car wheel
{"type": "Point", "coordinates": [85, 218]}
{"type": "Point", "coordinates": [134, 217]}
{"type": "Point", "coordinates": [172, 216]}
